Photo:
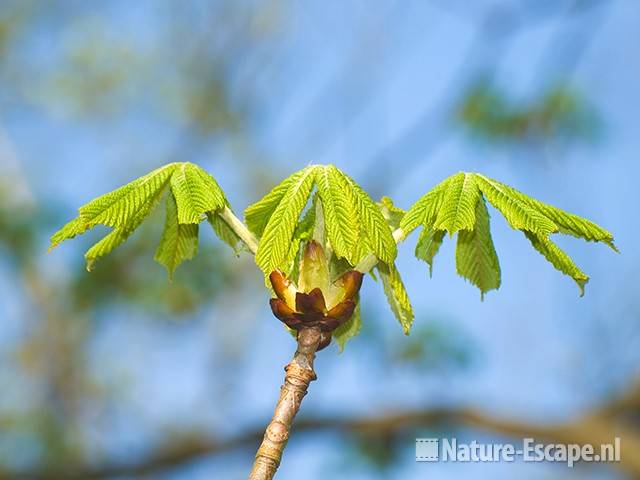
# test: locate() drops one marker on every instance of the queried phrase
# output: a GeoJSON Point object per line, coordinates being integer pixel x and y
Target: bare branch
{"type": "Point", "coordinates": [597, 427]}
{"type": "Point", "coordinates": [299, 374]}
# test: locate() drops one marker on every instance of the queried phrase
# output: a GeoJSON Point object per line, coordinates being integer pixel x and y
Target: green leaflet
{"type": "Point", "coordinates": [194, 193]}
{"type": "Point", "coordinates": [425, 210]}
{"type": "Point", "coordinates": [340, 212]}
{"type": "Point", "coordinates": [120, 235]}
{"type": "Point", "coordinates": [257, 215]}
{"type": "Point", "coordinates": [458, 205]}
{"type": "Point", "coordinates": [476, 258]}
{"type": "Point", "coordinates": [519, 215]}
{"type": "Point", "coordinates": [69, 230]}
{"type": "Point", "coordinates": [350, 329]}
{"type": "Point", "coordinates": [276, 239]}
{"type": "Point", "coordinates": [396, 295]}
{"type": "Point", "coordinates": [179, 241]}
{"type": "Point", "coordinates": [392, 214]}
{"type": "Point", "coordinates": [560, 260]}
{"type": "Point", "coordinates": [363, 247]}
{"type": "Point", "coordinates": [428, 245]}
{"type": "Point", "coordinates": [338, 267]}
{"type": "Point", "coordinates": [567, 223]}
{"type": "Point", "coordinates": [373, 223]}
{"type": "Point", "coordinates": [313, 221]}
{"type": "Point", "coordinates": [304, 231]}
{"type": "Point", "coordinates": [119, 208]}
{"type": "Point", "coordinates": [105, 246]}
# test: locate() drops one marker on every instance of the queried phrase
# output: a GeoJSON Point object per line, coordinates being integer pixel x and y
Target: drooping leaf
{"type": "Point", "coordinates": [196, 193]}
{"type": "Point", "coordinates": [425, 210]}
{"type": "Point", "coordinates": [121, 234]}
{"type": "Point", "coordinates": [340, 212]}
{"type": "Point", "coordinates": [428, 245]}
{"type": "Point", "coordinates": [120, 208]}
{"type": "Point", "coordinates": [567, 223]}
{"type": "Point", "coordinates": [447, 208]}
{"type": "Point", "coordinates": [179, 241]}
{"type": "Point", "coordinates": [559, 259]}
{"type": "Point", "coordinates": [350, 328]}
{"type": "Point", "coordinates": [373, 223]}
{"type": "Point", "coordinates": [108, 243]}
{"type": "Point", "coordinates": [69, 230]}
{"type": "Point", "coordinates": [363, 248]}
{"type": "Point", "coordinates": [392, 214]}
{"type": "Point", "coordinates": [304, 231]}
{"type": "Point", "coordinates": [519, 215]}
{"type": "Point", "coordinates": [276, 240]}
{"type": "Point", "coordinates": [257, 215]}
{"type": "Point", "coordinates": [458, 205]}
{"type": "Point", "coordinates": [476, 258]}
{"type": "Point", "coordinates": [396, 295]}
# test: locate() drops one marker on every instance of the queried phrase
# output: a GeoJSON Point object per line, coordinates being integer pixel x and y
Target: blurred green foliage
{"type": "Point", "coordinates": [434, 345]}
{"type": "Point", "coordinates": [558, 113]}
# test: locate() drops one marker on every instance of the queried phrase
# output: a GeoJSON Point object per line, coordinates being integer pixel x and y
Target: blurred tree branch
{"type": "Point", "coordinates": [596, 427]}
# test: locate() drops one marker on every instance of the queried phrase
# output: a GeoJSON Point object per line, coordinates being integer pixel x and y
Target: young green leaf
{"type": "Point", "coordinates": [519, 215]}
{"type": "Point", "coordinates": [340, 212]}
{"type": "Point", "coordinates": [304, 231]}
{"type": "Point", "coordinates": [567, 223]}
{"type": "Point", "coordinates": [120, 235]}
{"type": "Point", "coordinates": [196, 193]}
{"type": "Point", "coordinates": [257, 215]}
{"type": "Point", "coordinates": [428, 245]}
{"type": "Point", "coordinates": [277, 236]}
{"type": "Point", "coordinates": [396, 295]}
{"type": "Point", "coordinates": [108, 243]}
{"type": "Point", "coordinates": [392, 214]}
{"type": "Point", "coordinates": [374, 225]}
{"type": "Point", "coordinates": [69, 230]}
{"type": "Point", "coordinates": [476, 258]}
{"type": "Point", "coordinates": [120, 208]}
{"type": "Point", "coordinates": [425, 210]}
{"type": "Point", "coordinates": [179, 241]}
{"type": "Point", "coordinates": [458, 205]}
{"type": "Point", "coordinates": [354, 224]}
{"type": "Point", "coordinates": [448, 208]}
{"type": "Point", "coordinates": [560, 260]}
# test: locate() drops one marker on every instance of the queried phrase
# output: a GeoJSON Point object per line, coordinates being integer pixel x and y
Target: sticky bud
{"type": "Point", "coordinates": [307, 307]}
{"type": "Point", "coordinates": [285, 291]}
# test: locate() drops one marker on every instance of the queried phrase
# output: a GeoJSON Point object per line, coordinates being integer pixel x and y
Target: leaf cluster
{"type": "Point", "coordinates": [354, 224]}
{"type": "Point", "coordinates": [458, 205]}
{"type": "Point", "coordinates": [323, 203]}
{"type": "Point", "coordinates": [192, 195]}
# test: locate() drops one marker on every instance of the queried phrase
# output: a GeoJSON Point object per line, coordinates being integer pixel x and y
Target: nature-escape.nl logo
{"type": "Point", "coordinates": [450, 450]}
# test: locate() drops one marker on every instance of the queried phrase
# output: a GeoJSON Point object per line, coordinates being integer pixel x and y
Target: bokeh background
{"type": "Point", "coordinates": [119, 374]}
